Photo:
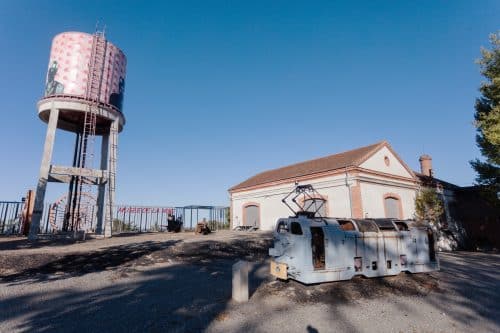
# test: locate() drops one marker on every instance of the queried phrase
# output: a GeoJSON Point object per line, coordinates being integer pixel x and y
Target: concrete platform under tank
{"type": "Point", "coordinates": [72, 113]}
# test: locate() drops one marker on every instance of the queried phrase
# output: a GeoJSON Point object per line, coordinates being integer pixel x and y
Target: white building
{"type": "Point", "coordinates": [370, 181]}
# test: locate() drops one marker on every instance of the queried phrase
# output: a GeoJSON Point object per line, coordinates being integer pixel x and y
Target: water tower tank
{"type": "Point", "coordinates": [84, 69]}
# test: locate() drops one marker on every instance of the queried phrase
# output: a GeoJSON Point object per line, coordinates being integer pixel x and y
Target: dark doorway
{"type": "Point", "coordinates": [432, 249]}
{"type": "Point", "coordinates": [318, 248]}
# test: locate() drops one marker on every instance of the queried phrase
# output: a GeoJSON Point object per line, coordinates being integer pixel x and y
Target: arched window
{"type": "Point", "coordinates": [317, 205]}
{"type": "Point", "coordinates": [392, 205]}
{"type": "Point", "coordinates": [251, 215]}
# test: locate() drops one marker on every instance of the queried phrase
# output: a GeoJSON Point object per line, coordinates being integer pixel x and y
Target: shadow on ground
{"type": "Point", "coordinates": [19, 243]}
{"type": "Point", "coordinates": [192, 289]}
{"type": "Point", "coordinates": [183, 297]}
{"type": "Point", "coordinates": [178, 298]}
{"type": "Point", "coordinates": [54, 267]}
{"type": "Point", "coordinates": [54, 240]}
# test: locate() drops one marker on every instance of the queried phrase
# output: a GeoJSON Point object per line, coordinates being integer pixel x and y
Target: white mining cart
{"type": "Point", "coordinates": [312, 249]}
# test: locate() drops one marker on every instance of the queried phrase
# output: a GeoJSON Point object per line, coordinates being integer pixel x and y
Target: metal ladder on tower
{"type": "Point", "coordinates": [93, 94]}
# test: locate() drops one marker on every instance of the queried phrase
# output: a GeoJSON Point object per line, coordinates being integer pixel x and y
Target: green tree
{"type": "Point", "coordinates": [428, 205]}
{"type": "Point", "coordinates": [487, 118]}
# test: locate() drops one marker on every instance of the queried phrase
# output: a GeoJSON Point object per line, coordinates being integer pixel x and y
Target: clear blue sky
{"type": "Point", "coordinates": [217, 91]}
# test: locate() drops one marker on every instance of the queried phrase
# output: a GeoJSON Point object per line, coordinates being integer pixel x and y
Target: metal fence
{"type": "Point", "coordinates": [126, 218]}
{"type": "Point", "coordinates": [143, 218]}
{"type": "Point", "coordinates": [148, 218]}
{"type": "Point", "coordinates": [10, 216]}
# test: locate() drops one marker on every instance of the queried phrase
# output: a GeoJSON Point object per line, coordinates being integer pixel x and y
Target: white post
{"type": "Point", "coordinates": [240, 281]}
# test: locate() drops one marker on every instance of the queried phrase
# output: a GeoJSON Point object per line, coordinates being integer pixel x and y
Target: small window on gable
{"type": "Point", "coordinates": [296, 229]}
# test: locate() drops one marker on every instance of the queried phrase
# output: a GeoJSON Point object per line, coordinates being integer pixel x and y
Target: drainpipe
{"type": "Point", "coordinates": [349, 189]}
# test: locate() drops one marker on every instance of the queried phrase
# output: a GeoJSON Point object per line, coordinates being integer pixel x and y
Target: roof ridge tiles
{"type": "Point", "coordinates": [336, 161]}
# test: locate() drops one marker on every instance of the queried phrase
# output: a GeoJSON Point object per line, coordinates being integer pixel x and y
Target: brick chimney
{"type": "Point", "coordinates": [426, 165]}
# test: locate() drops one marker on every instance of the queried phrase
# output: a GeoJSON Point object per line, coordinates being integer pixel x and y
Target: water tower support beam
{"type": "Point", "coordinates": [44, 173]}
{"type": "Point", "coordinates": [101, 194]}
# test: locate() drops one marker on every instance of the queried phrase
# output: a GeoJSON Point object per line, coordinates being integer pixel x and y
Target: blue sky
{"type": "Point", "coordinates": [217, 91]}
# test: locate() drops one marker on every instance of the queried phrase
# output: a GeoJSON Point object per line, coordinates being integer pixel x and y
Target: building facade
{"type": "Point", "coordinates": [371, 181]}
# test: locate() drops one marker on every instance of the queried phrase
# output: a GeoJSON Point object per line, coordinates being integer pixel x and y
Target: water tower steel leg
{"type": "Point", "coordinates": [69, 211]}
{"type": "Point", "coordinates": [113, 145]}
{"type": "Point", "coordinates": [44, 174]}
{"type": "Point", "coordinates": [101, 195]}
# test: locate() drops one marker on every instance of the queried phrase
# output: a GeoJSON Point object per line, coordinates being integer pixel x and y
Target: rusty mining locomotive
{"type": "Point", "coordinates": [314, 249]}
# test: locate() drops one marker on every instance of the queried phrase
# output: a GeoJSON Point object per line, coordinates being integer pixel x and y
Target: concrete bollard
{"type": "Point", "coordinates": [240, 281]}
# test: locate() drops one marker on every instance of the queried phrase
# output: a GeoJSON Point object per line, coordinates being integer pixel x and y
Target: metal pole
{"type": "Point", "coordinates": [15, 216]}
{"type": "Point", "coordinates": [5, 218]}
{"type": "Point", "coordinates": [157, 221]}
{"type": "Point", "coordinates": [4, 206]}
{"type": "Point", "coordinates": [113, 144]}
{"type": "Point", "coordinates": [161, 217]}
{"type": "Point", "coordinates": [123, 219]}
{"type": "Point", "coordinates": [214, 223]}
{"type": "Point", "coordinates": [55, 216]}
{"type": "Point", "coordinates": [77, 185]}
{"type": "Point", "coordinates": [184, 216]}
{"type": "Point", "coordinates": [129, 222]}
{"type": "Point", "coordinates": [80, 190]}
{"type": "Point", "coordinates": [101, 188]}
{"type": "Point", "coordinates": [47, 225]}
{"type": "Point", "coordinates": [92, 217]}
{"type": "Point", "coordinates": [140, 222]}
{"type": "Point", "coordinates": [67, 213]}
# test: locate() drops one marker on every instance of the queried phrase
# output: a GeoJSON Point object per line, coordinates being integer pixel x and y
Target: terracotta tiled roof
{"type": "Point", "coordinates": [333, 162]}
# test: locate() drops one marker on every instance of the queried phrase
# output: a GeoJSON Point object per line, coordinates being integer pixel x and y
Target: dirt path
{"type": "Point", "coordinates": [181, 283]}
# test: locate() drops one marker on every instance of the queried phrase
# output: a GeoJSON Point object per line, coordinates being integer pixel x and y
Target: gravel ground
{"type": "Point", "coordinates": [182, 283]}
{"type": "Point", "coordinates": [463, 297]}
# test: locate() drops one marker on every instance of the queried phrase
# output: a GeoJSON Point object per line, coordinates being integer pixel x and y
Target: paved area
{"type": "Point", "coordinates": [181, 283]}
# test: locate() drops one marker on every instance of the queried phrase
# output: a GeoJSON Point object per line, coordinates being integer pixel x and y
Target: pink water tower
{"type": "Point", "coordinates": [83, 94]}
